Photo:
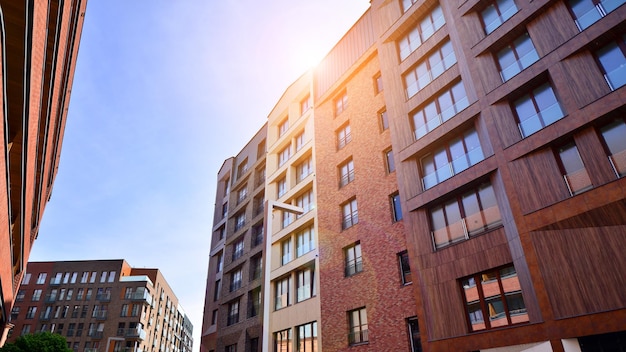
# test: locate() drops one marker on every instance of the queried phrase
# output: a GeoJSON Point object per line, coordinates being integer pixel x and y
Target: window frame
{"type": "Point", "coordinates": [520, 63]}
{"type": "Point", "coordinates": [348, 176]}
{"type": "Point", "coordinates": [353, 259]}
{"type": "Point", "coordinates": [358, 326]}
{"type": "Point", "coordinates": [343, 136]}
{"type": "Point", "coordinates": [531, 96]}
{"type": "Point", "coordinates": [501, 17]}
{"type": "Point", "coordinates": [340, 103]}
{"type": "Point", "coordinates": [350, 214]}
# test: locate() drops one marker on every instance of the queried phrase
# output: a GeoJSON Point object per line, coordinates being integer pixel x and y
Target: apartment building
{"type": "Point", "coordinates": [505, 117]}
{"type": "Point", "coordinates": [101, 305]}
{"type": "Point", "coordinates": [465, 190]}
{"type": "Point", "coordinates": [232, 308]}
{"type": "Point", "coordinates": [39, 43]}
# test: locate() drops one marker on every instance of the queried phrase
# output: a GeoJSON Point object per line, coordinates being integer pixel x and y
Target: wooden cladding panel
{"type": "Point", "coordinates": [583, 269]}
{"type": "Point", "coordinates": [594, 158]}
{"type": "Point", "coordinates": [505, 122]}
{"type": "Point", "coordinates": [549, 30]}
{"type": "Point", "coordinates": [585, 80]}
{"type": "Point", "coordinates": [538, 180]}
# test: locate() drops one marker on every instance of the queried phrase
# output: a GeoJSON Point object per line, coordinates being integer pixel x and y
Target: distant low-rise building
{"type": "Point", "coordinates": [101, 305]}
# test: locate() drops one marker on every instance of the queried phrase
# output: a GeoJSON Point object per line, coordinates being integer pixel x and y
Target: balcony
{"type": "Point", "coordinates": [578, 181]}
{"type": "Point", "coordinates": [437, 120]}
{"type": "Point", "coordinates": [95, 335]}
{"type": "Point", "coordinates": [100, 315]}
{"type": "Point", "coordinates": [139, 296]}
{"type": "Point", "coordinates": [135, 333]}
{"type": "Point", "coordinates": [540, 120]}
{"type": "Point", "coordinates": [103, 297]}
{"type": "Point", "coordinates": [450, 169]}
{"type": "Point", "coordinates": [462, 229]}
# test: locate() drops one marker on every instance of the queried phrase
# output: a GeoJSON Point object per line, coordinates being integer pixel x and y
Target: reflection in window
{"type": "Point", "coordinates": [588, 12]}
{"type": "Point", "coordinates": [439, 110]}
{"type": "Point", "coordinates": [615, 143]}
{"type": "Point", "coordinates": [494, 299]}
{"type": "Point", "coordinates": [612, 60]}
{"type": "Point", "coordinates": [450, 159]}
{"type": "Point", "coordinates": [537, 109]}
{"type": "Point", "coordinates": [427, 26]}
{"type": "Point", "coordinates": [516, 57]}
{"type": "Point", "coordinates": [354, 259]}
{"type": "Point", "coordinates": [430, 68]}
{"type": "Point", "coordinates": [574, 171]}
{"type": "Point", "coordinates": [466, 215]}
{"type": "Point", "coordinates": [497, 13]}
{"type": "Point", "coordinates": [358, 326]}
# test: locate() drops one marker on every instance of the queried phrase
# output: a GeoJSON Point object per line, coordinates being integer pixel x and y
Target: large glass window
{"type": "Point", "coordinates": [306, 340]}
{"type": "Point", "coordinates": [305, 284]}
{"type": "Point", "coordinates": [494, 299]}
{"type": "Point", "coordinates": [358, 326]}
{"type": "Point", "coordinates": [453, 157]}
{"type": "Point", "coordinates": [396, 207]}
{"type": "Point", "coordinates": [426, 27]}
{"type": "Point", "coordinates": [341, 103]}
{"type": "Point", "coordinates": [516, 56]}
{"type": "Point", "coordinates": [304, 169]}
{"type": "Point", "coordinates": [284, 155]}
{"type": "Point", "coordinates": [497, 13]}
{"type": "Point", "coordinates": [237, 249]}
{"type": "Point", "coordinates": [305, 241]}
{"type": "Point", "coordinates": [405, 268]}
{"type": "Point", "coordinates": [354, 259]}
{"type": "Point", "coordinates": [282, 341]}
{"type": "Point", "coordinates": [414, 333]}
{"type": "Point", "coordinates": [235, 280]}
{"type": "Point", "coordinates": [305, 201]}
{"type": "Point", "coordinates": [285, 250]}
{"type": "Point", "coordinates": [612, 58]}
{"type": "Point", "coordinates": [588, 12]}
{"type": "Point", "coordinates": [233, 312]}
{"type": "Point", "coordinates": [430, 68]}
{"type": "Point", "coordinates": [466, 215]}
{"type": "Point", "coordinates": [439, 110]}
{"type": "Point", "coordinates": [537, 109]}
{"type": "Point", "coordinates": [281, 299]}
{"type": "Point", "coordinates": [615, 143]}
{"type": "Point", "coordinates": [574, 171]}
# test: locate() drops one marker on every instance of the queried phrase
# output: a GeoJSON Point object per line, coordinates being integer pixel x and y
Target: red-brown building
{"type": "Point", "coordinates": [467, 184]}
{"type": "Point", "coordinates": [39, 44]}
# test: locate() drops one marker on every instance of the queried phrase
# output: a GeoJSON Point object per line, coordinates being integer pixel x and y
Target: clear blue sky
{"type": "Point", "coordinates": [164, 91]}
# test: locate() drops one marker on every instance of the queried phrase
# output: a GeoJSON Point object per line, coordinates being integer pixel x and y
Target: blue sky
{"type": "Point", "coordinates": [163, 92]}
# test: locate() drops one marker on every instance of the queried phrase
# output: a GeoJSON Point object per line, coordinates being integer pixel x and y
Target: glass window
{"type": "Point", "coordinates": [396, 207]}
{"type": "Point", "coordinates": [41, 278]}
{"type": "Point", "coordinates": [305, 284]}
{"type": "Point", "coordinates": [344, 136]}
{"type": "Point", "coordinates": [516, 57]}
{"type": "Point", "coordinates": [300, 141]}
{"type": "Point", "coordinates": [237, 249]}
{"type": "Point", "coordinates": [384, 121]}
{"type": "Point", "coordinates": [283, 126]}
{"type": "Point", "coordinates": [305, 104]}
{"type": "Point", "coordinates": [378, 83]}
{"type": "Point", "coordinates": [282, 186]}
{"type": "Point", "coordinates": [497, 13]}
{"type": "Point", "coordinates": [439, 110]}
{"type": "Point", "coordinates": [306, 340]}
{"type": "Point", "coordinates": [414, 333]}
{"type": "Point", "coordinates": [405, 268]}
{"type": "Point", "coordinates": [305, 241]}
{"type": "Point", "coordinates": [346, 173]}
{"type": "Point", "coordinates": [574, 171]}
{"type": "Point", "coordinates": [284, 155]}
{"type": "Point", "coordinates": [537, 109]}
{"type": "Point", "coordinates": [615, 143]}
{"type": "Point", "coordinates": [282, 293]}
{"type": "Point", "coordinates": [469, 214]}
{"type": "Point", "coordinates": [285, 249]}
{"type": "Point", "coordinates": [453, 157]}
{"type": "Point", "coordinates": [389, 162]}
{"type": "Point", "coordinates": [341, 103]}
{"type": "Point", "coordinates": [424, 29]}
{"type": "Point", "coordinates": [354, 259]}
{"type": "Point", "coordinates": [430, 68]}
{"type": "Point", "coordinates": [233, 312]}
{"type": "Point", "coordinates": [494, 299]}
{"type": "Point", "coordinates": [588, 12]}
{"type": "Point", "coordinates": [358, 326]}
{"type": "Point", "coordinates": [612, 58]}
{"type": "Point", "coordinates": [282, 341]}
{"type": "Point", "coordinates": [350, 214]}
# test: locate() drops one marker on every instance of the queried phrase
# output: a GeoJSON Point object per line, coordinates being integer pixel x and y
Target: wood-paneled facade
{"type": "Point", "coordinates": [564, 248]}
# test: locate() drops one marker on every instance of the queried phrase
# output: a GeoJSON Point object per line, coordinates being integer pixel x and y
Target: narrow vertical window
{"type": "Point", "coordinates": [358, 326]}
{"type": "Point", "coordinates": [574, 171]}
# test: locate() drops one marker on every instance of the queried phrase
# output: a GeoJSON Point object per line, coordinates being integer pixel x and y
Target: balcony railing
{"type": "Point", "coordinates": [578, 181]}
{"type": "Point", "coordinates": [139, 296]}
{"type": "Point", "coordinates": [350, 220]}
{"type": "Point", "coordinates": [435, 71]}
{"type": "Point", "coordinates": [354, 267]}
{"type": "Point", "coordinates": [281, 301]}
{"type": "Point", "coordinates": [100, 315]}
{"type": "Point", "coordinates": [50, 298]}
{"type": "Point", "coordinates": [95, 334]}
{"type": "Point", "coordinates": [506, 14]}
{"type": "Point", "coordinates": [616, 78]}
{"type": "Point", "coordinates": [519, 65]}
{"type": "Point", "coordinates": [543, 118]}
{"type": "Point", "coordinates": [442, 117]}
{"type": "Point", "coordinates": [104, 297]}
{"type": "Point", "coordinates": [462, 229]}
{"type": "Point", "coordinates": [618, 161]}
{"type": "Point", "coordinates": [357, 337]}
{"type": "Point", "coordinates": [346, 178]}
{"type": "Point", "coordinates": [457, 165]}
{"type": "Point", "coordinates": [135, 333]}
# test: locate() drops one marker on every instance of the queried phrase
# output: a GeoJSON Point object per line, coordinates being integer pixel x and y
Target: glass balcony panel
{"type": "Point", "coordinates": [618, 160]}
{"type": "Point", "coordinates": [610, 5]}
{"type": "Point", "coordinates": [552, 114]}
{"type": "Point", "coordinates": [578, 181]}
{"type": "Point", "coordinates": [617, 77]}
